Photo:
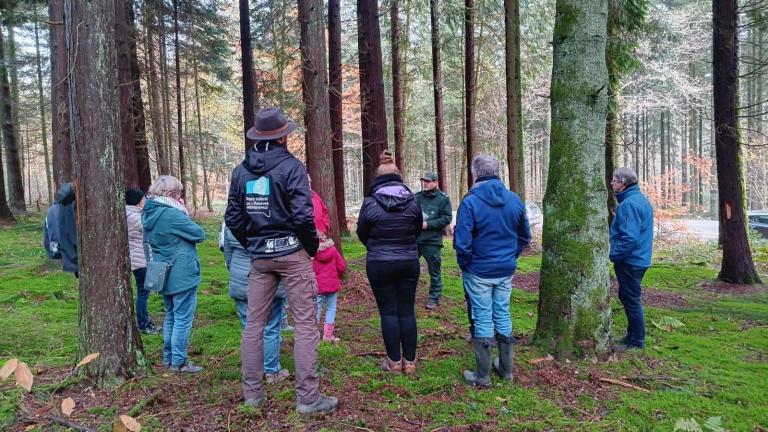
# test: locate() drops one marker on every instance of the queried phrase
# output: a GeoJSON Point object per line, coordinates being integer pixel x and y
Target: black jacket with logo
{"type": "Point", "coordinates": [269, 210]}
{"type": "Point", "coordinates": [390, 220]}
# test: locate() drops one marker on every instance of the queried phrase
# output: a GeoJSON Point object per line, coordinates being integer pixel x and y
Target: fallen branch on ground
{"type": "Point", "coordinates": [623, 384]}
{"type": "Point", "coordinates": [133, 412]}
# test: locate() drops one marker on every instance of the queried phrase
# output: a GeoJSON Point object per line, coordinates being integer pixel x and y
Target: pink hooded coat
{"type": "Point", "coordinates": [329, 267]}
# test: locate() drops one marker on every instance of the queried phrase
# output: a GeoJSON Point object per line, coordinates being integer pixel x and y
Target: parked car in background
{"type": "Point", "coordinates": [758, 221]}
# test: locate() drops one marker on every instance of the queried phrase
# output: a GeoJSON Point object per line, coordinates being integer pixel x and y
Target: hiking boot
{"type": "Point", "coordinates": [388, 365]}
{"type": "Point", "coordinates": [623, 347]}
{"type": "Point", "coordinates": [482, 376]}
{"type": "Point", "coordinates": [151, 329]}
{"type": "Point", "coordinates": [328, 330]}
{"type": "Point", "coordinates": [409, 367]}
{"type": "Point", "coordinates": [187, 367]}
{"type": "Point", "coordinates": [166, 365]}
{"type": "Point", "coordinates": [431, 304]}
{"type": "Point", "coordinates": [285, 327]}
{"type": "Point", "coordinates": [504, 363]}
{"type": "Point", "coordinates": [276, 377]}
{"type": "Point", "coordinates": [323, 404]}
{"type": "Point", "coordinates": [254, 402]}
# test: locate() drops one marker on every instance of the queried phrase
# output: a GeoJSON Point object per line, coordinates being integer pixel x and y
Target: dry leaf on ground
{"type": "Point", "coordinates": [8, 368]}
{"type": "Point", "coordinates": [87, 359]}
{"type": "Point", "coordinates": [23, 376]}
{"type": "Point", "coordinates": [130, 423]}
{"type": "Point", "coordinates": [67, 406]}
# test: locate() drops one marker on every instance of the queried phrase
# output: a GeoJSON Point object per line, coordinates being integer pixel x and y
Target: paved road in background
{"type": "Point", "coordinates": [705, 229]}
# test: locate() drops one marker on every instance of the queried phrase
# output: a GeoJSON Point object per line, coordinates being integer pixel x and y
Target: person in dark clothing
{"type": "Point", "coordinates": [631, 250]}
{"type": "Point", "coordinates": [68, 228]}
{"type": "Point", "coordinates": [270, 213]}
{"type": "Point", "coordinates": [437, 213]}
{"type": "Point", "coordinates": [51, 231]}
{"type": "Point", "coordinates": [389, 222]}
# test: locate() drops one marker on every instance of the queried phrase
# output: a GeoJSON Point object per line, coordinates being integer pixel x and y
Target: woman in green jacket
{"type": "Point", "coordinates": [171, 236]}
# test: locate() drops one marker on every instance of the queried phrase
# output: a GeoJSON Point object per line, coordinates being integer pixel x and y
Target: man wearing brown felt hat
{"type": "Point", "coordinates": [269, 212]}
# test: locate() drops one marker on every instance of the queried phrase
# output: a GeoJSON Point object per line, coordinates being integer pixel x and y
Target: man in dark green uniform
{"type": "Point", "coordinates": [436, 207]}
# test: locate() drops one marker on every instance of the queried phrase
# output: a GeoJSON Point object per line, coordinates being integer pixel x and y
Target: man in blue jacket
{"type": "Point", "coordinates": [270, 213]}
{"type": "Point", "coordinates": [631, 248]}
{"type": "Point", "coordinates": [491, 232]}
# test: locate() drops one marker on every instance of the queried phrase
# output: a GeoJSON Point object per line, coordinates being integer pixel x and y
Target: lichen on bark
{"type": "Point", "coordinates": [574, 314]}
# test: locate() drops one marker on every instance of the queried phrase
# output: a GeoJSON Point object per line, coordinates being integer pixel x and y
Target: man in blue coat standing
{"type": "Point", "coordinates": [491, 232]}
{"type": "Point", "coordinates": [631, 248]}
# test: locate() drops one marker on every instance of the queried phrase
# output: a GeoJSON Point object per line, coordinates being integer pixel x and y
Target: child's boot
{"type": "Point", "coordinates": [328, 333]}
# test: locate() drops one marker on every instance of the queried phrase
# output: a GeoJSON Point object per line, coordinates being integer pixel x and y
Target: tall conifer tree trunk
{"type": "Point", "coordinates": [397, 85]}
{"type": "Point", "coordinates": [335, 108]}
{"type": "Point", "coordinates": [515, 150]}
{"type": "Point", "coordinates": [373, 115]}
{"type": "Point", "coordinates": [437, 89]}
{"type": "Point", "coordinates": [41, 99]}
{"type": "Point", "coordinates": [154, 83]}
{"type": "Point", "coordinates": [737, 266]}
{"type": "Point", "coordinates": [14, 175]}
{"type": "Point", "coordinates": [574, 314]}
{"type": "Point", "coordinates": [246, 62]}
{"type": "Point", "coordinates": [143, 169]}
{"type": "Point", "coordinates": [125, 90]}
{"type": "Point", "coordinates": [316, 112]}
{"type": "Point", "coordinates": [106, 318]}
{"type": "Point", "coordinates": [62, 158]}
{"type": "Point", "coordinates": [179, 119]}
{"type": "Point", "coordinates": [469, 85]}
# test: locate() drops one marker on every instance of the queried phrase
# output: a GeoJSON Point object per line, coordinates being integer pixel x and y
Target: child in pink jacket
{"type": "Point", "coordinates": [329, 267]}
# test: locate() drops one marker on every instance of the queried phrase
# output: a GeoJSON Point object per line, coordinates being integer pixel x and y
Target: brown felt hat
{"type": "Point", "coordinates": [271, 124]}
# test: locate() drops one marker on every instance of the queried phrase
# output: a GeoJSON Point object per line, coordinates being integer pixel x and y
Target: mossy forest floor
{"type": "Point", "coordinates": [716, 365]}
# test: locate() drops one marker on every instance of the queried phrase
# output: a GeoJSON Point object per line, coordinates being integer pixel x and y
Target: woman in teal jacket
{"type": "Point", "coordinates": [171, 236]}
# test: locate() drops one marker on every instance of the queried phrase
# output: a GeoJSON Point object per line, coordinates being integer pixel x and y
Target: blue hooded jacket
{"type": "Point", "coordinates": [172, 235]}
{"type": "Point", "coordinates": [632, 229]}
{"type": "Point", "coordinates": [491, 230]}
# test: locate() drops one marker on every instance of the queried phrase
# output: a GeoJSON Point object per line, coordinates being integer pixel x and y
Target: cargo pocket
{"type": "Point", "coordinates": [311, 280]}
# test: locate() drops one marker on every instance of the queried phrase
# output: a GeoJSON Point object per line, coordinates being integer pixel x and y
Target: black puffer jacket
{"type": "Point", "coordinates": [390, 220]}
{"type": "Point", "coordinates": [269, 210]}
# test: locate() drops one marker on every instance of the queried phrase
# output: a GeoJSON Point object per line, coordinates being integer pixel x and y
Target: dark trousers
{"type": "Point", "coordinates": [432, 255]}
{"type": "Point", "coordinates": [394, 286]}
{"type": "Point", "coordinates": [630, 295]}
{"type": "Point", "coordinates": [142, 315]}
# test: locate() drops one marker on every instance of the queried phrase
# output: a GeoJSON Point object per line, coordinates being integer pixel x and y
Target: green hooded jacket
{"type": "Point", "coordinates": [436, 207]}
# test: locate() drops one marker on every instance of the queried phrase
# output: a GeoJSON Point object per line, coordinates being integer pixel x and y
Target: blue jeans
{"type": "Point", "coordinates": [330, 301]}
{"type": "Point", "coordinates": [179, 313]}
{"type": "Point", "coordinates": [272, 338]}
{"type": "Point", "coordinates": [142, 316]}
{"type": "Point", "coordinates": [489, 301]}
{"type": "Point", "coordinates": [630, 295]}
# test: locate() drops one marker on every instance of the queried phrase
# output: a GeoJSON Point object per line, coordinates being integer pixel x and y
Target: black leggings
{"type": "Point", "coordinates": [394, 285]}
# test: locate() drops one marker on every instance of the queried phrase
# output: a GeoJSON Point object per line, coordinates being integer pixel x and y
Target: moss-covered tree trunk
{"type": "Point", "coordinates": [574, 314]}
{"type": "Point", "coordinates": [106, 318]}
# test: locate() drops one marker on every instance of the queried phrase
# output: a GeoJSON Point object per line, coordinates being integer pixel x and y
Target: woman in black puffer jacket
{"type": "Point", "coordinates": [389, 223]}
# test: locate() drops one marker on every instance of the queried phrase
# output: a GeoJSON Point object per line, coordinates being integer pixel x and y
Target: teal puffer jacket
{"type": "Point", "coordinates": [172, 235]}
